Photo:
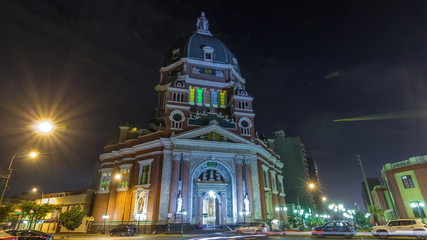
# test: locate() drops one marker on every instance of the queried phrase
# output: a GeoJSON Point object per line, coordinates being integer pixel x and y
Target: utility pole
{"type": "Point", "coordinates": [359, 162]}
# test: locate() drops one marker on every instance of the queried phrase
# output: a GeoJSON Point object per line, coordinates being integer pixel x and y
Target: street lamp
{"type": "Point", "coordinates": [35, 190]}
{"type": "Point", "coordinates": [245, 213]}
{"type": "Point", "coordinates": [9, 170]}
{"type": "Point", "coordinates": [183, 213]}
{"type": "Point", "coordinates": [44, 127]}
{"type": "Point", "coordinates": [117, 176]}
{"type": "Point", "coordinates": [280, 210]}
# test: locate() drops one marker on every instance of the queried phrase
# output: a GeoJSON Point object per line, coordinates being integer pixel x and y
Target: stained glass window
{"type": "Point", "coordinates": [207, 98]}
{"type": "Point", "coordinates": [105, 181]}
{"type": "Point", "coordinates": [199, 96]}
{"type": "Point", "coordinates": [192, 95]}
{"type": "Point", "coordinates": [214, 98]}
{"type": "Point", "coordinates": [145, 174]}
{"type": "Point", "coordinates": [222, 98]}
{"type": "Point", "coordinates": [125, 178]}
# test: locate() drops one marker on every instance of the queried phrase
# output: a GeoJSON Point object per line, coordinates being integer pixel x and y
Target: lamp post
{"type": "Point", "coordinates": [117, 176]}
{"type": "Point", "coordinates": [9, 171]}
{"type": "Point", "coordinates": [359, 162]}
{"type": "Point", "coordinates": [244, 213]}
{"type": "Point", "coordinates": [280, 210]}
{"type": "Point", "coordinates": [34, 190]}
{"type": "Point", "coordinates": [183, 213]}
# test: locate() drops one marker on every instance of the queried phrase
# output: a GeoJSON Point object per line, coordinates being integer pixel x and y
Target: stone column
{"type": "Point", "coordinates": [165, 186]}
{"type": "Point", "coordinates": [239, 184]}
{"type": "Point", "coordinates": [223, 208]}
{"type": "Point", "coordinates": [249, 186]}
{"type": "Point", "coordinates": [174, 184]}
{"type": "Point", "coordinates": [276, 204]}
{"type": "Point", "coordinates": [199, 207]}
{"type": "Point", "coordinates": [186, 185]}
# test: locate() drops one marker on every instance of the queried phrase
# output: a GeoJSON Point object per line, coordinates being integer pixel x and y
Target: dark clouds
{"type": "Point", "coordinates": [100, 59]}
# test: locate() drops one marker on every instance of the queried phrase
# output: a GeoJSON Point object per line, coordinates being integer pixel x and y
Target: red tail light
{"type": "Point", "coordinates": [43, 237]}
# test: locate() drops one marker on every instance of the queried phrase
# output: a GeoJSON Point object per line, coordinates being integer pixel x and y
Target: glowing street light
{"type": "Point", "coordinates": [9, 170]}
{"type": "Point", "coordinates": [44, 127]}
{"type": "Point", "coordinates": [324, 199]}
{"type": "Point", "coordinates": [311, 186]}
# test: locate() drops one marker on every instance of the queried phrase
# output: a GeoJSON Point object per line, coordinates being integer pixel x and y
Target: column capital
{"type": "Point", "coordinates": [176, 156]}
{"type": "Point", "coordinates": [239, 159]}
{"type": "Point", "coordinates": [186, 156]}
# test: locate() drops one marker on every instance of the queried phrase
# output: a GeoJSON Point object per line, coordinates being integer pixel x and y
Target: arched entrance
{"type": "Point", "coordinates": [212, 194]}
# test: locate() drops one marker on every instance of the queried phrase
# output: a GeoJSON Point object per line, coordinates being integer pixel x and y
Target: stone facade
{"type": "Point", "coordinates": [200, 161]}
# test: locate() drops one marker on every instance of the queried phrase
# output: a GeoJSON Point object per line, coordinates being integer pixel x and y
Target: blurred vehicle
{"type": "Point", "coordinates": [334, 228]}
{"type": "Point", "coordinates": [124, 229]}
{"type": "Point", "coordinates": [30, 235]}
{"type": "Point", "coordinates": [252, 228]}
{"type": "Point", "coordinates": [401, 227]}
{"type": "Point", "coordinates": [6, 236]}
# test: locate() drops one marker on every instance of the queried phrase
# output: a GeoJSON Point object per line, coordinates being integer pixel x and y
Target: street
{"type": "Point", "coordinates": [217, 236]}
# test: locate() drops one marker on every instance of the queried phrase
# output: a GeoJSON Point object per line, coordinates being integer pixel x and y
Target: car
{"type": "Point", "coordinates": [30, 235]}
{"type": "Point", "coordinates": [335, 228]}
{"type": "Point", "coordinates": [124, 229]}
{"type": "Point", "coordinates": [252, 228]}
{"type": "Point", "coordinates": [401, 227]}
{"type": "Point", "coordinates": [6, 236]}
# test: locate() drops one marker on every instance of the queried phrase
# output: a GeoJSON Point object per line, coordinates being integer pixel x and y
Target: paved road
{"type": "Point", "coordinates": [220, 236]}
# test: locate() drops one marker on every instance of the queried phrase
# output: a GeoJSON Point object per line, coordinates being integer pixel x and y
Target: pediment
{"type": "Point", "coordinates": [212, 133]}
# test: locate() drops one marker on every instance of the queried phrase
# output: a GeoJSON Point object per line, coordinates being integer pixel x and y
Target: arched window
{"type": "Point", "coordinates": [208, 53]}
{"type": "Point", "coordinates": [245, 125]}
{"type": "Point", "coordinates": [407, 181]}
{"type": "Point", "coordinates": [177, 118]}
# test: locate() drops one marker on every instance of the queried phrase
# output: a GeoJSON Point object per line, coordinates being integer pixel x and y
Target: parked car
{"type": "Point", "coordinates": [252, 228]}
{"type": "Point", "coordinates": [335, 228]}
{"type": "Point", "coordinates": [401, 227]}
{"type": "Point", "coordinates": [124, 229]}
{"type": "Point", "coordinates": [6, 236]}
{"type": "Point", "coordinates": [30, 235]}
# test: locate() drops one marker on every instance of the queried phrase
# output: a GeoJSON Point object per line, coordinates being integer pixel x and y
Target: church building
{"type": "Point", "coordinates": [201, 161]}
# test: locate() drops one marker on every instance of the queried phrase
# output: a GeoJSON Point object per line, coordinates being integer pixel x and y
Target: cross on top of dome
{"type": "Point", "coordinates": [203, 25]}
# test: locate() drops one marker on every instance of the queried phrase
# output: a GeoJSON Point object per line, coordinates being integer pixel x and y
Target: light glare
{"type": "Point", "coordinates": [44, 127]}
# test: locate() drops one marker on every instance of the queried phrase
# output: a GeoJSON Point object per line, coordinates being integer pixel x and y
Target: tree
{"type": "Point", "coordinates": [72, 219]}
{"type": "Point", "coordinates": [377, 214]}
{"type": "Point", "coordinates": [26, 207]}
{"type": "Point", "coordinates": [41, 211]}
{"type": "Point", "coordinates": [5, 211]}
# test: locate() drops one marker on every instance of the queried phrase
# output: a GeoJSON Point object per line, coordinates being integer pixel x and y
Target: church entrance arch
{"type": "Point", "coordinates": [212, 195]}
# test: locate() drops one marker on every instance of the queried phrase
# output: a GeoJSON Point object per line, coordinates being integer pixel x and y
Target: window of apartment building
{"type": "Point", "coordinates": [144, 171]}
{"type": "Point", "coordinates": [407, 181]}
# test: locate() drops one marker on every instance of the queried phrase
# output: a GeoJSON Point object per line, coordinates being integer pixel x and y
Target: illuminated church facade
{"type": "Point", "coordinates": [201, 161]}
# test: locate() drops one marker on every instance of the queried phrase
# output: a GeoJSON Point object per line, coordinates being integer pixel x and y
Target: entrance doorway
{"type": "Point", "coordinates": [211, 209]}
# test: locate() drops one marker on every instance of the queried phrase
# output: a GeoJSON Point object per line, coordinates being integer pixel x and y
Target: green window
{"type": "Point", "coordinates": [200, 96]}
{"type": "Point", "coordinates": [145, 174]}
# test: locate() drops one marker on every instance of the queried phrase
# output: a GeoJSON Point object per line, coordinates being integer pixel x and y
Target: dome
{"type": "Point", "coordinates": [193, 47]}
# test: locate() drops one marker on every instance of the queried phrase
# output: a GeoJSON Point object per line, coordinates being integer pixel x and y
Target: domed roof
{"type": "Point", "coordinates": [193, 47]}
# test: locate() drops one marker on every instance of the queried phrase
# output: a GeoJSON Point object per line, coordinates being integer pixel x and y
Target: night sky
{"type": "Point", "coordinates": [92, 66]}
